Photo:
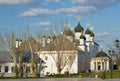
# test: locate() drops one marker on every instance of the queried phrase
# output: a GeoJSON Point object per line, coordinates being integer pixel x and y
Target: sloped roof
{"type": "Point", "coordinates": [102, 54]}
{"type": "Point", "coordinates": [29, 44]}
{"type": "Point", "coordinates": [60, 43]}
{"type": "Point", "coordinates": [68, 32]}
{"type": "Point", "coordinates": [5, 56]}
{"type": "Point", "coordinates": [27, 58]}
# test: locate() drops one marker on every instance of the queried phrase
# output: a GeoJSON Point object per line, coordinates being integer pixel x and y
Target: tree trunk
{"type": "Point", "coordinates": [16, 70]}
{"type": "Point", "coordinates": [59, 70]}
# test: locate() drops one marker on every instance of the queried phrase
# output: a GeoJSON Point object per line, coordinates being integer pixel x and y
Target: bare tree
{"type": "Point", "coordinates": [25, 43]}
{"type": "Point", "coordinates": [65, 52]}
{"type": "Point", "coordinates": [8, 44]}
{"type": "Point", "coordinates": [116, 49]}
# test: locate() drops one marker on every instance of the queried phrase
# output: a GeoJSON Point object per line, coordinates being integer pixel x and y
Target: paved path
{"type": "Point", "coordinates": [61, 79]}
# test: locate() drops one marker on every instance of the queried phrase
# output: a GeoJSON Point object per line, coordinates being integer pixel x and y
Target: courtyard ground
{"type": "Point", "coordinates": [62, 79]}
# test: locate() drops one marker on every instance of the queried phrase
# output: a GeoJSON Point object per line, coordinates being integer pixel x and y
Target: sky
{"type": "Point", "coordinates": [102, 16]}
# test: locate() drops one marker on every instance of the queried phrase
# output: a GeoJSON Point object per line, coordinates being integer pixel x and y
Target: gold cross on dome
{"type": "Point", "coordinates": [78, 18]}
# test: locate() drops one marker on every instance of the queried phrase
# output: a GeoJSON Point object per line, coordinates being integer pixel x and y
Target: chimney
{"type": "Point", "coordinates": [48, 40]}
{"type": "Point", "coordinates": [43, 41]}
{"type": "Point", "coordinates": [16, 43]}
{"type": "Point", "coordinates": [20, 42]}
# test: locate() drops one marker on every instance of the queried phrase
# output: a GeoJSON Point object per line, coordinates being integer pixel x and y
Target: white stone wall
{"type": "Point", "coordinates": [104, 60]}
{"type": "Point", "coordinates": [87, 37]}
{"type": "Point", "coordinates": [77, 35]}
{"type": "Point", "coordinates": [51, 65]}
{"type": "Point", "coordinates": [10, 65]}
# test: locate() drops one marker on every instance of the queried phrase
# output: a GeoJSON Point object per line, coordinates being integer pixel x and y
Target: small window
{"type": "Point", "coordinates": [6, 69]}
{"type": "Point", "coordinates": [13, 69]}
{"type": "Point", "coordinates": [27, 69]}
{"type": "Point", "coordinates": [46, 58]}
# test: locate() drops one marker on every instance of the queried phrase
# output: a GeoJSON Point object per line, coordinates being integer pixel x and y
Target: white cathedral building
{"type": "Point", "coordinates": [69, 52]}
{"type": "Point", "coordinates": [80, 42]}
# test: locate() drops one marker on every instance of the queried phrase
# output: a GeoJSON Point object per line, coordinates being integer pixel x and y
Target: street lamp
{"type": "Point", "coordinates": [117, 43]}
{"type": "Point", "coordinates": [111, 53]}
{"type": "Point", "coordinates": [118, 51]}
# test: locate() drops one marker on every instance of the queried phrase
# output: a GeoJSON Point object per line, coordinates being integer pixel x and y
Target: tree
{"type": "Point", "coordinates": [63, 51]}
{"type": "Point", "coordinates": [8, 44]}
{"type": "Point", "coordinates": [17, 49]}
{"type": "Point", "coordinates": [66, 50]}
{"type": "Point", "coordinates": [117, 52]}
{"type": "Point", "coordinates": [32, 46]}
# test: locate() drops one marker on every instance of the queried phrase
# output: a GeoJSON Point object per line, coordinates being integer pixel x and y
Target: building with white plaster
{"type": "Point", "coordinates": [70, 52]}
{"type": "Point", "coordinates": [101, 62]}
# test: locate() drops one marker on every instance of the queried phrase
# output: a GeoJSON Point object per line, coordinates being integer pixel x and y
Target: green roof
{"type": "Point", "coordinates": [88, 31]}
{"type": "Point", "coordinates": [44, 36]}
{"type": "Point", "coordinates": [92, 34]}
{"type": "Point", "coordinates": [82, 37]}
{"type": "Point", "coordinates": [49, 37]}
{"type": "Point", "coordinates": [79, 28]}
{"type": "Point", "coordinates": [53, 37]}
{"type": "Point", "coordinates": [68, 32]}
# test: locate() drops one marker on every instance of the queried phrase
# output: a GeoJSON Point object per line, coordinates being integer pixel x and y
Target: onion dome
{"type": "Point", "coordinates": [82, 37]}
{"type": "Point", "coordinates": [92, 34]}
{"type": "Point", "coordinates": [20, 40]}
{"type": "Point", "coordinates": [88, 31]}
{"type": "Point", "coordinates": [68, 32]}
{"type": "Point", "coordinates": [49, 37]}
{"type": "Point", "coordinates": [53, 37]}
{"type": "Point", "coordinates": [44, 36]}
{"type": "Point", "coordinates": [78, 28]}
{"type": "Point", "coordinates": [17, 40]}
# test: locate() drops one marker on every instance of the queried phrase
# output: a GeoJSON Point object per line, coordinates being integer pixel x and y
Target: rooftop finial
{"type": "Point", "coordinates": [65, 26]}
{"type": "Point", "coordinates": [78, 18]}
{"type": "Point", "coordinates": [101, 48]}
{"type": "Point", "coordinates": [88, 24]}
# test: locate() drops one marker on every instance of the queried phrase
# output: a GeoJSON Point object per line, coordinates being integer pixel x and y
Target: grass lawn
{"type": "Point", "coordinates": [106, 75]}
{"type": "Point", "coordinates": [103, 75]}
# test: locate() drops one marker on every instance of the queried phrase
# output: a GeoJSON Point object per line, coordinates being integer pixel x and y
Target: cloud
{"type": "Point", "coordinates": [97, 3]}
{"type": "Point", "coordinates": [76, 10]}
{"type": "Point", "coordinates": [42, 23]}
{"type": "Point", "coordinates": [102, 37]}
{"type": "Point", "coordinates": [51, 1]}
{"type": "Point", "coordinates": [116, 29]}
{"type": "Point", "coordinates": [36, 12]}
{"type": "Point", "coordinates": [14, 2]}
{"type": "Point", "coordinates": [102, 34]}
{"type": "Point", "coordinates": [69, 11]}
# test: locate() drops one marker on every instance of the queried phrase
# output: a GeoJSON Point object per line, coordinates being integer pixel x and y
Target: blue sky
{"type": "Point", "coordinates": [102, 15]}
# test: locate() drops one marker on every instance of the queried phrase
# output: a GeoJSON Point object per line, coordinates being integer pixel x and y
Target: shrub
{"type": "Point", "coordinates": [58, 75]}
{"type": "Point", "coordinates": [66, 73]}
